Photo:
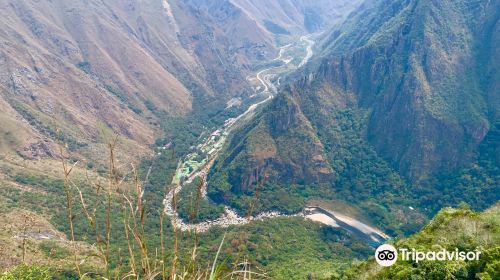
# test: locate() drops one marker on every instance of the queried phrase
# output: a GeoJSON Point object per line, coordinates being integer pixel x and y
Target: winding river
{"type": "Point", "coordinates": [213, 145]}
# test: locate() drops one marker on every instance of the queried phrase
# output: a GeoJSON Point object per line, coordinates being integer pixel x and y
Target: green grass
{"type": "Point", "coordinates": [27, 272]}
{"type": "Point", "coordinates": [287, 248]}
{"type": "Point", "coordinates": [52, 250]}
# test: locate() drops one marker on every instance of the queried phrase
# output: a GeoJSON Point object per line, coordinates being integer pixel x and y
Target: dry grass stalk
{"type": "Point", "coordinates": [69, 206]}
{"type": "Point", "coordinates": [141, 264]}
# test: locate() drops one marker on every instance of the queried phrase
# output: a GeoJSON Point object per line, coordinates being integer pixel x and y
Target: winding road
{"type": "Point", "coordinates": [230, 217]}
{"type": "Point", "coordinates": [309, 50]}
{"type": "Point", "coordinates": [266, 81]}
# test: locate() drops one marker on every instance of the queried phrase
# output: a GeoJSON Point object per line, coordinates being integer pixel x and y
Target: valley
{"type": "Point", "coordinates": [210, 146]}
{"type": "Point", "coordinates": [248, 139]}
{"type": "Point", "coordinates": [198, 164]}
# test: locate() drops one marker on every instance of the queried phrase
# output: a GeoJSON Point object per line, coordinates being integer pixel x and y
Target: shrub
{"type": "Point", "coordinates": [27, 272]}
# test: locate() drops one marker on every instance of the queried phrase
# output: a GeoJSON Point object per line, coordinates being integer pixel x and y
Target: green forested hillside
{"type": "Point", "coordinates": [451, 228]}
{"type": "Point", "coordinates": [399, 109]}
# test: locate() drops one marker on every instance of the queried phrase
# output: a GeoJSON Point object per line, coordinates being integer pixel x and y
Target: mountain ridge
{"type": "Point", "coordinates": [122, 65]}
{"type": "Point", "coordinates": [404, 99]}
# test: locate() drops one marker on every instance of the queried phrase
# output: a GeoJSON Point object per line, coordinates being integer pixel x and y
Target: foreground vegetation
{"type": "Point", "coordinates": [106, 207]}
{"type": "Point", "coordinates": [451, 228]}
{"type": "Point", "coordinates": [119, 210]}
{"type": "Point", "coordinates": [121, 215]}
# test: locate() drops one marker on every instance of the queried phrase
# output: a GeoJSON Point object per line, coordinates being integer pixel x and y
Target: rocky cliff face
{"type": "Point", "coordinates": [409, 88]}
{"type": "Point", "coordinates": [281, 145]}
{"type": "Point", "coordinates": [422, 73]}
{"type": "Point", "coordinates": [425, 75]}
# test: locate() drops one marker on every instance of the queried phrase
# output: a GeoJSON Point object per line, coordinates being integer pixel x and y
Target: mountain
{"type": "Point", "coordinates": [155, 73]}
{"type": "Point", "coordinates": [399, 108]}
{"type": "Point", "coordinates": [297, 16]}
{"type": "Point", "coordinates": [442, 79]}
{"type": "Point", "coordinates": [69, 70]}
{"type": "Point", "coordinates": [394, 117]}
{"type": "Point", "coordinates": [74, 67]}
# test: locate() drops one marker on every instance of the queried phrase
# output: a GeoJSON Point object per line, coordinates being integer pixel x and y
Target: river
{"type": "Point", "coordinates": [188, 169]}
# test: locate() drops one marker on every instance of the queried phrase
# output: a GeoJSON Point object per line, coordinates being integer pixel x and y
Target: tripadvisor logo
{"type": "Point", "coordinates": [387, 255]}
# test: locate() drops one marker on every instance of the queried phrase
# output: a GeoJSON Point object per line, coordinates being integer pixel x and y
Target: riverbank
{"type": "Point", "coordinates": [213, 145]}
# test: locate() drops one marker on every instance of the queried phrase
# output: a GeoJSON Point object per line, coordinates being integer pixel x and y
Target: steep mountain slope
{"type": "Point", "coordinates": [78, 67]}
{"type": "Point", "coordinates": [297, 16]}
{"type": "Point", "coordinates": [225, 40]}
{"type": "Point", "coordinates": [430, 67]}
{"type": "Point", "coordinates": [72, 67]}
{"type": "Point", "coordinates": [403, 96]}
